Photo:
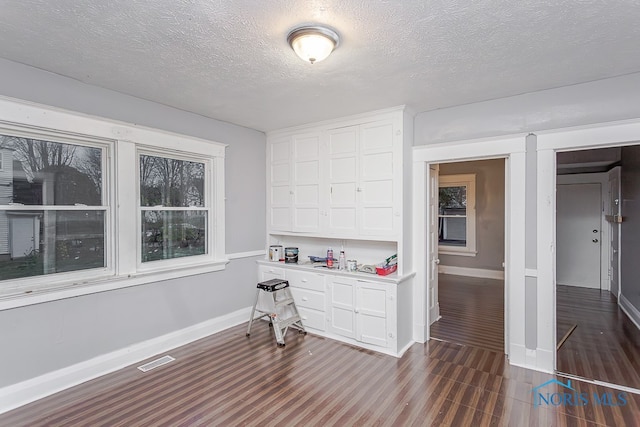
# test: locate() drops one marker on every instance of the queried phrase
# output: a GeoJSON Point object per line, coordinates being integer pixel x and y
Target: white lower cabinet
{"type": "Point", "coordinates": [363, 310]}
{"type": "Point", "coordinates": [368, 313]}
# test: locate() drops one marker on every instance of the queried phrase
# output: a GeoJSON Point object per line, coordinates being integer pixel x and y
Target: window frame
{"type": "Point", "coordinates": [121, 142]}
{"type": "Point", "coordinates": [208, 193]}
{"type": "Point", "coordinates": [468, 181]}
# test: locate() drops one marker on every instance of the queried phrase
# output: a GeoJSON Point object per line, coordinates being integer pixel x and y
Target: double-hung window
{"type": "Point", "coordinates": [174, 207]}
{"type": "Point", "coordinates": [95, 205]}
{"type": "Point", "coordinates": [457, 215]}
{"type": "Point", "coordinates": [53, 208]}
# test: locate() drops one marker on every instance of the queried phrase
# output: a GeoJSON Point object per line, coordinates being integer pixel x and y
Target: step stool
{"type": "Point", "coordinates": [281, 311]}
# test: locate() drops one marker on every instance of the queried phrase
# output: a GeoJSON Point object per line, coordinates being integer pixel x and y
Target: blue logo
{"type": "Point", "coordinates": [569, 396]}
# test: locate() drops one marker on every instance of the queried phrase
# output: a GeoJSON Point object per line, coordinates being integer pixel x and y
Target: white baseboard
{"type": "Point", "coordinates": [471, 272]}
{"type": "Point", "coordinates": [537, 360]}
{"type": "Point", "coordinates": [630, 310]}
{"type": "Point", "coordinates": [19, 394]}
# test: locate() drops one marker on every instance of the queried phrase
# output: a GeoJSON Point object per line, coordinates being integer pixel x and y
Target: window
{"type": "Point", "coordinates": [93, 212]}
{"type": "Point", "coordinates": [173, 208]}
{"type": "Point", "coordinates": [456, 215]}
{"type": "Point", "coordinates": [52, 213]}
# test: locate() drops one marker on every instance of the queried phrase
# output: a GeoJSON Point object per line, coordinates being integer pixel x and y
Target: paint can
{"type": "Point", "coordinates": [290, 255]}
{"type": "Point", "coordinates": [352, 265]}
{"type": "Point", "coordinates": [276, 253]}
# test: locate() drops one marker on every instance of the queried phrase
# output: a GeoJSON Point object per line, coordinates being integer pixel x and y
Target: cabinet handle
{"type": "Point", "coordinates": [304, 317]}
{"type": "Point", "coordinates": [355, 310]}
{"type": "Point", "coordinates": [304, 280]}
{"type": "Point", "coordinates": [305, 299]}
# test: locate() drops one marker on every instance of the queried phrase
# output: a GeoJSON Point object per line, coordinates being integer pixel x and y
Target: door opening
{"type": "Point", "coordinates": [467, 242]}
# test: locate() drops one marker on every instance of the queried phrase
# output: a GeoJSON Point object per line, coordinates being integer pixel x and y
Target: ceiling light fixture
{"type": "Point", "coordinates": [314, 43]}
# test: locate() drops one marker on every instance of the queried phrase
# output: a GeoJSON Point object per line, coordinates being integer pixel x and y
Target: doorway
{"type": "Point", "coordinates": [470, 231]}
{"type": "Point", "coordinates": [596, 339]}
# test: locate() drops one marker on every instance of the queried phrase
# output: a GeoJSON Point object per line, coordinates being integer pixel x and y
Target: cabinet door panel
{"type": "Point", "coordinates": [343, 194]}
{"type": "Point", "coordinates": [343, 140]}
{"type": "Point", "coordinates": [342, 219]}
{"type": "Point", "coordinates": [306, 219]}
{"type": "Point", "coordinates": [377, 220]}
{"type": "Point", "coordinates": [280, 151]}
{"type": "Point", "coordinates": [307, 172]}
{"type": "Point", "coordinates": [280, 173]}
{"type": "Point", "coordinates": [342, 169]}
{"type": "Point", "coordinates": [376, 166]}
{"type": "Point", "coordinates": [371, 301]}
{"type": "Point", "coordinates": [378, 192]}
{"type": "Point", "coordinates": [307, 194]}
{"type": "Point", "coordinates": [372, 330]}
{"type": "Point", "coordinates": [280, 195]}
{"type": "Point", "coordinates": [342, 308]}
{"type": "Point", "coordinates": [280, 219]}
{"type": "Point", "coordinates": [306, 146]}
{"type": "Point", "coordinates": [376, 136]}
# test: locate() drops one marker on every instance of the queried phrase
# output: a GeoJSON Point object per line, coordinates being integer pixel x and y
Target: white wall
{"type": "Point", "coordinates": [42, 338]}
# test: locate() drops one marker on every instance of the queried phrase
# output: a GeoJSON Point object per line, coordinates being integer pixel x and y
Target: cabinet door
{"type": "Point", "coordinates": [371, 313]}
{"type": "Point", "coordinates": [306, 182]}
{"type": "Point", "coordinates": [379, 170]}
{"type": "Point", "coordinates": [342, 307]}
{"type": "Point", "coordinates": [342, 171]}
{"type": "Point", "coordinates": [279, 192]}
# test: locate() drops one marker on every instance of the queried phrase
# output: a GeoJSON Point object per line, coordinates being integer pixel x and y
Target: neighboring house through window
{"type": "Point", "coordinates": [84, 208]}
{"type": "Point", "coordinates": [456, 215]}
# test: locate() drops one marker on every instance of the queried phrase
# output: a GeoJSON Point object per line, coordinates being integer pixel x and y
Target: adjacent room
{"type": "Point", "coordinates": [319, 213]}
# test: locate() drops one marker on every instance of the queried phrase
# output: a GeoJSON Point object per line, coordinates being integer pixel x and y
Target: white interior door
{"type": "Point", "coordinates": [614, 212]}
{"type": "Point", "coordinates": [432, 250]}
{"type": "Point", "coordinates": [578, 234]}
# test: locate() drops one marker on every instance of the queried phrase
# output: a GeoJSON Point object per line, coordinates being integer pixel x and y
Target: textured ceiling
{"type": "Point", "coordinates": [230, 60]}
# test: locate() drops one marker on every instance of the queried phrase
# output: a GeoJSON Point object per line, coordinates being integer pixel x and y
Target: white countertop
{"type": "Point", "coordinates": [320, 268]}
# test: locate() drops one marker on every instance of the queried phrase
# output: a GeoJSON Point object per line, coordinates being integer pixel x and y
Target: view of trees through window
{"type": "Point", "coordinates": [452, 224]}
{"type": "Point", "coordinates": [173, 208]}
{"type": "Point", "coordinates": [51, 214]}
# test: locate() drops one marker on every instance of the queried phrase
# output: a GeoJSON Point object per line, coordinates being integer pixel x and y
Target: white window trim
{"type": "Point", "coordinates": [122, 140]}
{"type": "Point", "coordinates": [469, 181]}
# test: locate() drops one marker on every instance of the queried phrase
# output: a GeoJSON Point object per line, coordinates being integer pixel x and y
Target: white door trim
{"type": "Point", "coordinates": [512, 148]}
{"type": "Point", "coordinates": [601, 135]}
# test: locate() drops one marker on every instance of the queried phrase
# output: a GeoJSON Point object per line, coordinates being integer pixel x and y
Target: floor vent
{"type": "Point", "coordinates": [155, 363]}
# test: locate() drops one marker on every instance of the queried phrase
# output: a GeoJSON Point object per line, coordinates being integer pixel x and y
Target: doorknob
{"type": "Point", "coordinates": [595, 231]}
{"type": "Point", "coordinates": [437, 261]}
{"type": "Point", "coordinates": [595, 240]}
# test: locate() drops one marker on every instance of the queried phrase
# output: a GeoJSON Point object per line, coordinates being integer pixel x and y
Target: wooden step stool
{"type": "Point", "coordinates": [281, 311]}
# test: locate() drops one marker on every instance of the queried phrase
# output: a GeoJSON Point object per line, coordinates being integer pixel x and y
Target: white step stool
{"type": "Point", "coordinates": [281, 309]}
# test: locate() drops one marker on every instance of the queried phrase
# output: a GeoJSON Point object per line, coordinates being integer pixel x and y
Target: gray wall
{"type": "Point", "coordinates": [630, 234]}
{"type": "Point", "coordinates": [489, 214]}
{"type": "Point", "coordinates": [41, 338]}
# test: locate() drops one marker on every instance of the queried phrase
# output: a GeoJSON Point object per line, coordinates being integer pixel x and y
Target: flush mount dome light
{"type": "Point", "coordinates": [313, 44]}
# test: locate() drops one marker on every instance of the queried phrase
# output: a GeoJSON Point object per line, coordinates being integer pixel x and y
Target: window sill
{"type": "Point", "coordinates": [459, 253]}
{"type": "Point", "coordinates": [15, 298]}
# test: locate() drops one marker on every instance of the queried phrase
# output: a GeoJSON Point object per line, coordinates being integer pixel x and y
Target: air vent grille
{"type": "Point", "coordinates": [155, 363]}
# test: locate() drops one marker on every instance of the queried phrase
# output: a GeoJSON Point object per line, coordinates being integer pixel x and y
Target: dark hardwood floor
{"type": "Point", "coordinates": [228, 379]}
{"type": "Point", "coordinates": [471, 310]}
{"type": "Point", "coordinates": [605, 345]}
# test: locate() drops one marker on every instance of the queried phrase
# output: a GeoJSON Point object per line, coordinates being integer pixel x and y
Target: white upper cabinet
{"type": "Point", "coordinates": [306, 182]}
{"type": "Point", "coordinates": [339, 179]}
{"type": "Point", "coordinates": [279, 192]}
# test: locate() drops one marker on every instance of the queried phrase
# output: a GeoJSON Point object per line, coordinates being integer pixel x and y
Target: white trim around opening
{"type": "Point", "coordinates": [512, 148]}
{"type": "Point", "coordinates": [603, 135]}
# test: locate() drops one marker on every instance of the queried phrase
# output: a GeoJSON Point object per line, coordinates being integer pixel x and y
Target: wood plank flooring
{"type": "Point", "coordinates": [228, 379]}
{"type": "Point", "coordinates": [605, 345]}
{"type": "Point", "coordinates": [471, 310]}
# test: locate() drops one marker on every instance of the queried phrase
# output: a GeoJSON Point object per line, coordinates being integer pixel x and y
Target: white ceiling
{"type": "Point", "coordinates": [230, 60]}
